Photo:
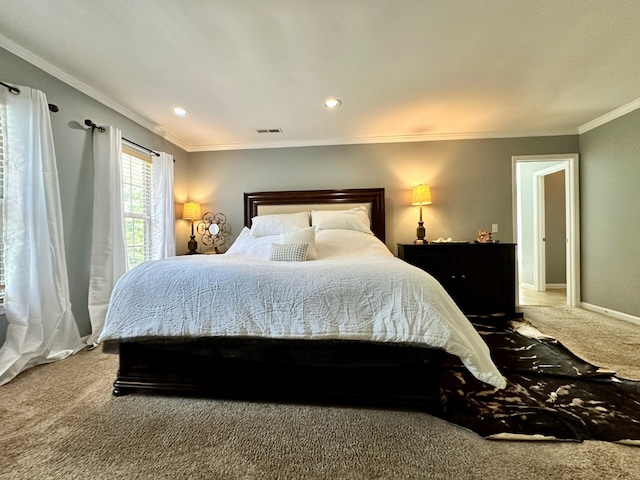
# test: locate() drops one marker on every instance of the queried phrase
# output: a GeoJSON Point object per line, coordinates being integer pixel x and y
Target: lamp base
{"type": "Point", "coordinates": [420, 233]}
{"type": "Point", "coordinates": [192, 245]}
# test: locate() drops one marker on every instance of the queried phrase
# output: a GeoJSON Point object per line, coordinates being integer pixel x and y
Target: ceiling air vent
{"type": "Point", "coordinates": [269, 130]}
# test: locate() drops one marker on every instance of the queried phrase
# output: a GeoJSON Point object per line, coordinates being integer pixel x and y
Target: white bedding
{"type": "Point", "coordinates": [355, 290]}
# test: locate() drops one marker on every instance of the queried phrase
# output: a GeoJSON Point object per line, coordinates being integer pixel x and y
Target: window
{"type": "Point", "coordinates": [1, 205]}
{"type": "Point", "coordinates": [137, 198]}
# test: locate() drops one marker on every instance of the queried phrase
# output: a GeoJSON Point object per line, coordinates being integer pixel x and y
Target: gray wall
{"type": "Point", "coordinates": [610, 220]}
{"type": "Point", "coordinates": [73, 145]}
{"type": "Point", "coordinates": [470, 180]}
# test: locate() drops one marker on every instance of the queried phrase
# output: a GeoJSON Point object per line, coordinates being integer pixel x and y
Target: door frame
{"type": "Point", "coordinates": [568, 163]}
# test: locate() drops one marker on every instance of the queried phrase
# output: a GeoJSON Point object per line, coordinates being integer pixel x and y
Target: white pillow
{"type": "Point", "coordinates": [353, 219]}
{"type": "Point", "coordinates": [306, 235]}
{"type": "Point", "coordinates": [264, 225]}
{"type": "Point", "coordinates": [291, 252]}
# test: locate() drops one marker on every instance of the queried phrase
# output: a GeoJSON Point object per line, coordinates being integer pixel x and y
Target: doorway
{"type": "Point", "coordinates": [530, 173]}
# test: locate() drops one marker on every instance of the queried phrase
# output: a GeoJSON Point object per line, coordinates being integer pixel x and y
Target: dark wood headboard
{"type": "Point", "coordinates": [372, 196]}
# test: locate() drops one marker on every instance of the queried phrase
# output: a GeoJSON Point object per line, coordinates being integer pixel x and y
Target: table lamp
{"type": "Point", "coordinates": [420, 195]}
{"type": "Point", "coordinates": [191, 211]}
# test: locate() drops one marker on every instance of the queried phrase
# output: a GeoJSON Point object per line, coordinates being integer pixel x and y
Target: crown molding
{"type": "Point", "coordinates": [378, 139]}
{"type": "Point", "coordinates": [608, 117]}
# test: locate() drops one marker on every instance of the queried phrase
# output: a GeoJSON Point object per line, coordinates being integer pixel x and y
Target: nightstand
{"type": "Point", "coordinates": [481, 278]}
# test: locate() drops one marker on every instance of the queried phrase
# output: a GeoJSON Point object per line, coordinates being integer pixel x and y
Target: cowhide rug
{"type": "Point", "coordinates": [551, 393]}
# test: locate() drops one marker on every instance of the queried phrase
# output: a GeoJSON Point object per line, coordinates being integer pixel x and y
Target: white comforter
{"type": "Point", "coordinates": [356, 290]}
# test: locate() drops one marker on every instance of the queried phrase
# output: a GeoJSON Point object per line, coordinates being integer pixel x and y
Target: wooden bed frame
{"type": "Point", "coordinates": [309, 371]}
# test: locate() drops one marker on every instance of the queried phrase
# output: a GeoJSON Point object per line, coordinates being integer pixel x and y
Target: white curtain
{"type": "Point", "coordinates": [108, 252]}
{"type": "Point", "coordinates": [41, 327]}
{"type": "Point", "coordinates": [164, 235]}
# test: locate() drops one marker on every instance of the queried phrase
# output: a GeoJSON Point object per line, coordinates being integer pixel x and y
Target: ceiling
{"type": "Point", "coordinates": [405, 70]}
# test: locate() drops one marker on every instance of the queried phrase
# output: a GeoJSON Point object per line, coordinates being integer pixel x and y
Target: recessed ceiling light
{"type": "Point", "coordinates": [180, 112]}
{"type": "Point", "coordinates": [332, 103]}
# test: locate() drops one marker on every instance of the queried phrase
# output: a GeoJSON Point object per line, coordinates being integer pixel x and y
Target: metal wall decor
{"type": "Point", "coordinates": [215, 231]}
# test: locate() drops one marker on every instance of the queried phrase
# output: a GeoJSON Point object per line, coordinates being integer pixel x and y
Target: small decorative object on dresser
{"type": "Point", "coordinates": [481, 279]}
{"type": "Point", "coordinates": [485, 237]}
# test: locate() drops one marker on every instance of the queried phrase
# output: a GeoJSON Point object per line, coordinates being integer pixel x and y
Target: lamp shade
{"type": "Point", "coordinates": [421, 195]}
{"type": "Point", "coordinates": [191, 211]}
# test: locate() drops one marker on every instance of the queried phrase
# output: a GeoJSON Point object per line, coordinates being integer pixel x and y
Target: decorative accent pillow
{"type": "Point", "coordinates": [264, 225]}
{"type": "Point", "coordinates": [306, 235]}
{"type": "Point", "coordinates": [352, 219]}
{"type": "Point", "coordinates": [290, 252]}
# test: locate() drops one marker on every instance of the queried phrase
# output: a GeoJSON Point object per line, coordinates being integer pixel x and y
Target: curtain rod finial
{"type": "Point", "coordinates": [89, 123]}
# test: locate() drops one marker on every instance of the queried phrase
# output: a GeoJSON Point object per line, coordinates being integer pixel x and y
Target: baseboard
{"type": "Point", "coordinates": [611, 313]}
{"type": "Point", "coordinates": [548, 286]}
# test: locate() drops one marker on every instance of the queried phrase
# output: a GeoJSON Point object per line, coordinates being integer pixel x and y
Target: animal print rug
{"type": "Point", "coordinates": [551, 393]}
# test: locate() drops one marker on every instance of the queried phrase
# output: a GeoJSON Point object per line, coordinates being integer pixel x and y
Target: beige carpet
{"type": "Point", "coordinates": [60, 421]}
{"type": "Point", "coordinates": [596, 338]}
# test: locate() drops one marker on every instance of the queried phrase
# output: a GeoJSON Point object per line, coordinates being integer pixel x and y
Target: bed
{"type": "Point", "coordinates": [307, 305]}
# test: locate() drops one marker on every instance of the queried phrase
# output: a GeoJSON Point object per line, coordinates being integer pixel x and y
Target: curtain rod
{"type": "Point", "coordinates": [16, 91]}
{"type": "Point", "coordinates": [140, 146]}
{"type": "Point", "coordinates": [89, 123]}
{"type": "Point", "coordinates": [12, 89]}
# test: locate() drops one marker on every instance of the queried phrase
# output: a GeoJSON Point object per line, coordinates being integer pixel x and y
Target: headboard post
{"type": "Point", "coordinates": [372, 196]}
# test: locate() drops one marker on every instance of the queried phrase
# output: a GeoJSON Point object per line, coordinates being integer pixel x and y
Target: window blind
{"type": "Point", "coordinates": [1, 204]}
{"type": "Point", "coordinates": [137, 196]}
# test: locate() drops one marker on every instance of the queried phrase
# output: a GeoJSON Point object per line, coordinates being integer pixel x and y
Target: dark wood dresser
{"type": "Point", "coordinates": [481, 278]}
